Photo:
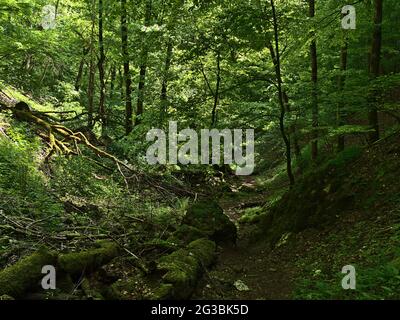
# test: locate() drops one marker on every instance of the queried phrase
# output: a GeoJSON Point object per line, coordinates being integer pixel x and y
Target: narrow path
{"type": "Point", "coordinates": [250, 270]}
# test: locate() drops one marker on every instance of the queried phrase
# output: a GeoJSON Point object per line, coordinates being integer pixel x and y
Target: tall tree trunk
{"type": "Point", "coordinates": [216, 93]}
{"type": "Point", "coordinates": [281, 99]}
{"type": "Point", "coordinates": [314, 83]}
{"type": "Point", "coordinates": [341, 82]}
{"type": "Point", "coordinates": [92, 71]}
{"type": "Point", "coordinates": [374, 67]}
{"type": "Point", "coordinates": [102, 58]}
{"type": "Point", "coordinates": [143, 66]}
{"type": "Point", "coordinates": [121, 83]}
{"type": "Point", "coordinates": [292, 129]}
{"type": "Point", "coordinates": [164, 86]}
{"type": "Point", "coordinates": [112, 82]}
{"type": "Point", "coordinates": [80, 70]}
{"type": "Point", "coordinates": [127, 76]}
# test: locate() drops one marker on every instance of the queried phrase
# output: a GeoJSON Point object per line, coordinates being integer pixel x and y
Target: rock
{"type": "Point", "coordinates": [186, 234]}
{"type": "Point", "coordinates": [88, 260]}
{"type": "Point", "coordinates": [25, 274]}
{"type": "Point", "coordinates": [182, 268]}
{"type": "Point", "coordinates": [241, 286]}
{"type": "Point", "coordinates": [209, 218]}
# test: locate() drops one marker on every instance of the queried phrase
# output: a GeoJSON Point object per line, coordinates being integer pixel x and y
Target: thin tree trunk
{"type": "Point", "coordinates": [143, 66]}
{"type": "Point", "coordinates": [341, 83]}
{"type": "Point", "coordinates": [164, 86]}
{"type": "Point", "coordinates": [216, 93]}
{"type": "Point", "coordinates": [281, 100]}
{"type": "Point", "coordinates": [121, 83]}
{"type": "Point", "coordinates": [374, 66]}
{"type": "Point", "coordinates": [127, 76]}
{"type": "Point", "coordinates": [102, 58]}
{"type": "Point", "coordinates": [314, 83]}
{"type": "Point", "coordinates": [92, 72]}
{"type": "Point", "coordinates": [292, 129]}
{"type": "Point", "coordinates": [112, 81]}
{"type": "Point", "coordinates": [80, 70]}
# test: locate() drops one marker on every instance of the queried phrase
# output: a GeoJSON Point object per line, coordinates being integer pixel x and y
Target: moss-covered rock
{"type": "Point", "coordinates": [318, 198]}
{"type": "Point", "coordinates": [203, 250]}
{"type": "Point", "coordinates": [182, 268]}
{"type": "Point", "coordinates": [65, 282]}
{"type": "Point", "coordinates": [185, 234]}
{"type": "Point", "coordinates": [163, 292]}
{"type": "Point", "coordinates": [90, 291]}
{"type": "Point", "coordinates": [25, 274]}
{"type": "Point", "coordinates": [89, 260]}
{"type": "Point", "coordinates": [134, 287]}
{"type": "Point", "coordinates": [6, 297]}
{"type": "Point", "coordinates": [209, 218]}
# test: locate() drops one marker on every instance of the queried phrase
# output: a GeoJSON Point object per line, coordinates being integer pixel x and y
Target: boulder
{"type": "Point", "coordinates": [209, 218]}
{"type": "Point", "coordinates": [25, 274]}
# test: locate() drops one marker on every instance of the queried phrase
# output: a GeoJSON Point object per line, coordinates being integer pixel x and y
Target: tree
{"type": "Point", "coordinates": [143, 63]}
{"type": "Point", "coordinates": [280, 97]}
{"type": "Point", "coordinates": [314, 83]}
{"type": "Point", "coordinates": [127, 75]}
{"type": "Point", "coordinates": [374, 69]}
{"type": "Point", "coordinates": [92, 68]}
{"type": "Point", "coordinates": [101, 62]}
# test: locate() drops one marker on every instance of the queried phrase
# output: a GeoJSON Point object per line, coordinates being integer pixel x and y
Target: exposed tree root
{"type": "Point", "coordinates": [62, 140]}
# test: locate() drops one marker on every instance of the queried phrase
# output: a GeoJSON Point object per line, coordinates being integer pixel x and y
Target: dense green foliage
{"type": "Point", "coordinates": [324, 103]}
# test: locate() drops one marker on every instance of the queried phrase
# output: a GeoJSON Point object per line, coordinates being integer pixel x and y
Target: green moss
{"type": "Point", "coordinates": [26, 273]}
{"type": "Point", "coordinates": [204, 250]}
{"type": "Point", "coordinates": [88, 260]}
{"type": "Point", "coordinates": [251, 215]}
{"type": "Point", "coordinates": [183, 267]}
{"type": "Point", "coordinates": [164, 292]}
{"type": "Point", "coordinates": [6, 297]}
{"type": "Point", "coordinates": [319, 197]}
{"type": "Point", "coordinates": [135, 287]}
{"type": "Point", "coordinates": [90, 291]}
{"type": "Point", "coordinates": [186, 234]}
{"type": "Point", "coordinates": [208, 217]}
{"type": "Point", "coordinates": [65, 282]}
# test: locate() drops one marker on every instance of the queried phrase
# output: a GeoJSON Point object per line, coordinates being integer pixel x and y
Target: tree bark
{"type": "Point", "coordinates": [127, 76]}
{"type": "Point", "coordinates": [281, 100]}
{"type": "Point", "coordinates": [341, 82]}
{"type": "Point", "coordinates": [164, 86]}
{"type": "Point", "coordinates": [101, 62]}
{"type": "Point", "coordinates": [216, 93]}
{"type": "Point", "coordinates": [292, 129]}
{"type": "Point", "coordinates": [143, 66]}
{"type": "Point", "coordinates": [112, 82]}
{"type": "Point", "coordinates": [374, 67]}
{"type": "Point", "coordinates": [92, 72]}
{"type": "Point", "coordinates": [80, 70]}
{"type": "Point", "coordinates": [314, 83]}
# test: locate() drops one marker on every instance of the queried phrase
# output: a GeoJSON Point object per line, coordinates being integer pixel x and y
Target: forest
{"type": "Point", "coordinates": [199, 150]}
